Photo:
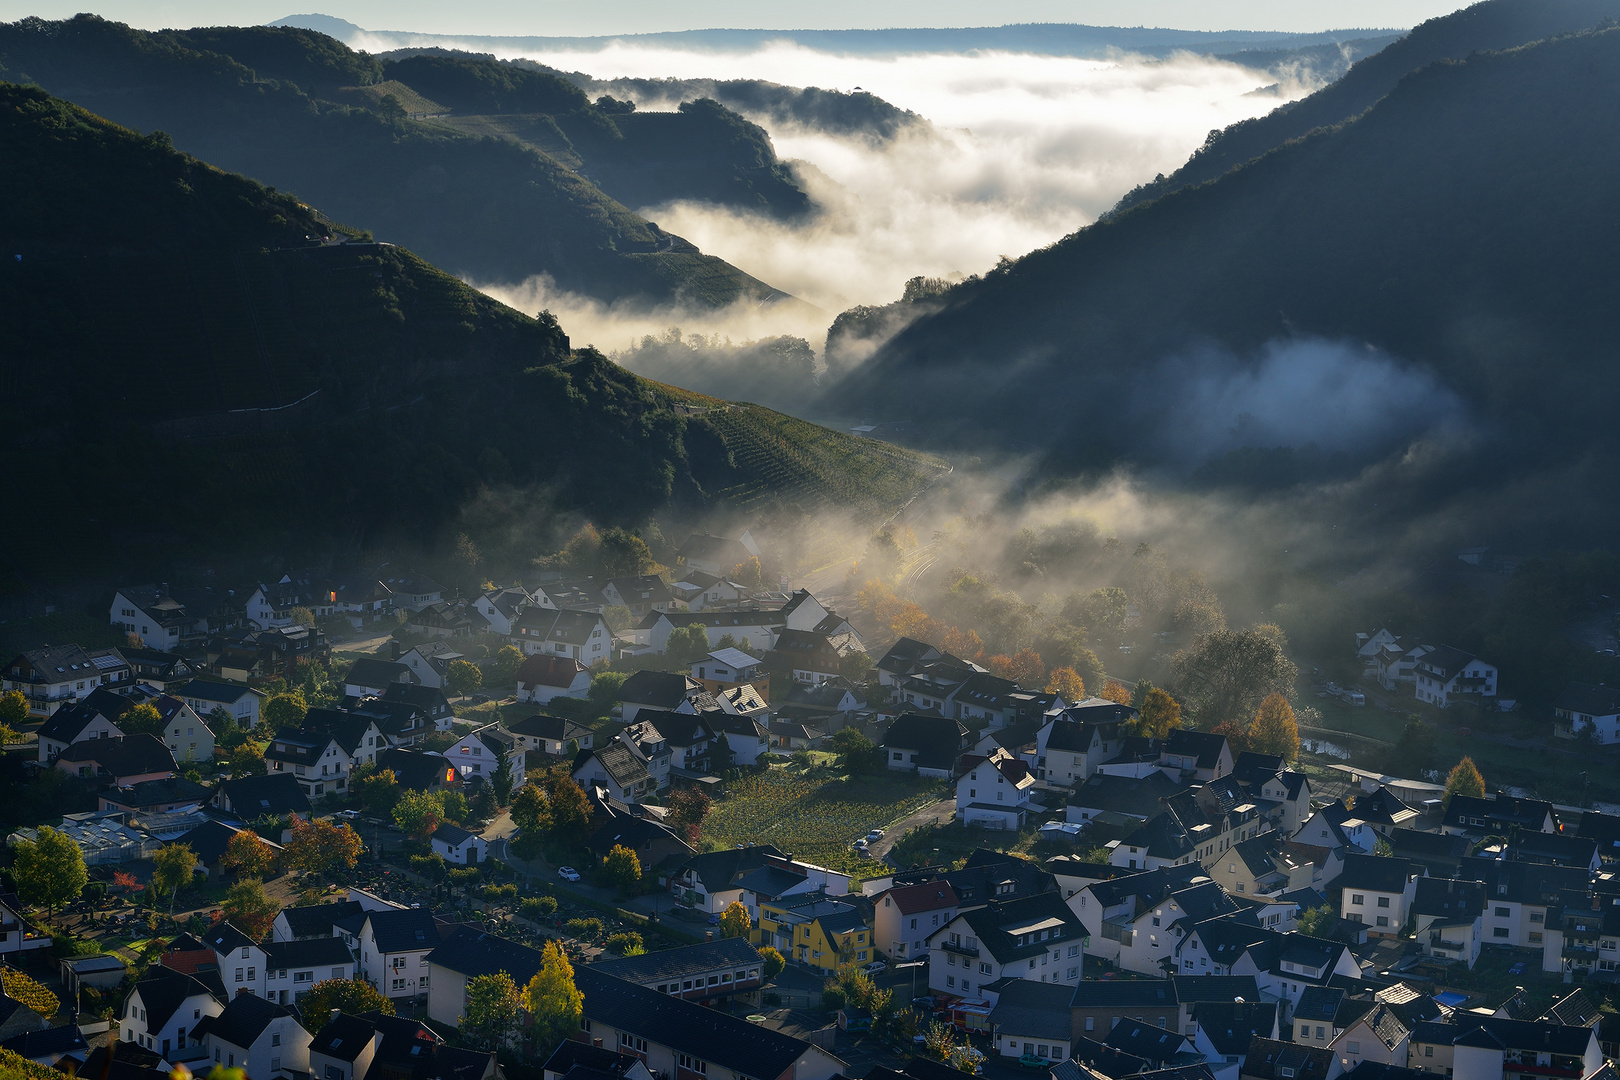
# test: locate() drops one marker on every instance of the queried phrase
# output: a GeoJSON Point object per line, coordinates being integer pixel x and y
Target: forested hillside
{"type": "Point", "coordinates": [1487, 25]}
{"type": "Point", "coordinates": [194, 365]}
{"type": "Point", "coordinates": [493, 209]}
{"type": "Point", "coordinates": [1464, 225]}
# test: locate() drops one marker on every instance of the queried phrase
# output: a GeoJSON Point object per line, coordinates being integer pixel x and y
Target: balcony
{"type": "Point", "coordinates": [959, 949]}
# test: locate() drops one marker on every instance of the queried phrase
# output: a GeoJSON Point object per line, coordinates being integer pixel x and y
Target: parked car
{"type": "Point", "coordinates": [875, 967]}
{"type": "Point", "coordinates": [1033, 1061]}
{"type": "Point", "coordinates": [860, 845]}
{"type": "Point", "coordinates": [347, 815]}
{"type": "Point", "coordinates": [568, 873]}
{"type": "Point", "coordinates": [875, 834]}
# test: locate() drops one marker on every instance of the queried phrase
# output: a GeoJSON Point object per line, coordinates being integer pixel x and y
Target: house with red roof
{"type": "Point", "coordinates": [542, 677]}
{"type": "Point", "coordinates": [905, 915]}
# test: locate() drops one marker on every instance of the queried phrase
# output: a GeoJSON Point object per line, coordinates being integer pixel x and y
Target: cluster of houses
{"type": "Point", "coordinates": [1439, 675]}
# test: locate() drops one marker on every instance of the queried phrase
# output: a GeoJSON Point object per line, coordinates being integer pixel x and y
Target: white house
{"type": "Point", "coordinates": [71, 724]}
{"type": "Point", "coordinates": [1036, 937]}
{"type": "Point", "coordinates": [1584, 708]}
{"type": "Point", "coordinates": [204, 696]}
{"type": "Point", "coordinates": [1033, 1019]}
{"type": "Point", "coordinates": [1446, 675]}
{"type": "Point", "coordinates": [904, 916]}
{"type": "Point", "coordinates": [502, 608]}
{"type": "Point", "coordinates": [1378, 892]}
{"type": "Point", "coordinates": [184, 733]}
{"type": "Point", "coordinates": [476, 755]}
{"type": "Point", "coordinates": [429, 662]}
{"type": "Point", "coordinates": [580, 635]}
{"type": "Point", "coordinates": [262, 1038]}
{"type": "Point", "coordinates": [552, 736]}
{"type": "Point", "coordinates": [52, 677]}
{"type": "Point", "coordinates": [1223, 1030]}
{"type": "Point", "coordinates": [457, 845]}
{"type": "Point", "coordinates": [394, 946]}
{"type": "Point", "coordinates": [150, 613]}
{"type": "Point", "coordinates": [995, 791]}
{"type": "Point", "coordinates": [165, 1007]}
{"type": "Point", "coordinates": [542, 677]}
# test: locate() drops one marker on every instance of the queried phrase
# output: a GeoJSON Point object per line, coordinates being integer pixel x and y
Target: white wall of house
{"type": "Point", "coordinates": [170, 1038]}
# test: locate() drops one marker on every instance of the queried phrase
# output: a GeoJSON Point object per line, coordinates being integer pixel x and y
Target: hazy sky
{"type": "Point", "coordinates": [567, 17]}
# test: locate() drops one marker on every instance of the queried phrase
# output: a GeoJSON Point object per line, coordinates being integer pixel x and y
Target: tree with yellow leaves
{"type": "Point", "coordinates": [1067, 684]}
{"type": "Point", "coordinates": [1159, 715]}
{"type": "Point", "coordinates": [1114, 690]}
{"type": "Point", "coordinates": [553, 1002]}
{"type": "Point", "coordinates": [1275, 731]}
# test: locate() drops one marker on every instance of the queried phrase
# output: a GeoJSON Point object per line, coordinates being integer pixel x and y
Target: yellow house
{"type": "Point", "coordinates": [815, 930]}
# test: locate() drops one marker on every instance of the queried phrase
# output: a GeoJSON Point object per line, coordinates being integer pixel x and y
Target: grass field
{"type": "Point", "coordinates": [816, 816]}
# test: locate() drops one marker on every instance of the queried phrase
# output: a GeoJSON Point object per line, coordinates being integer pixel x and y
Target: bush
{"type": "Point", "coordinates": [538, 907]}
{"type": "Point", "coordinates": [627, 943]}
{"type": "Point", "coordinates": [462, 875]}
{"type": "Point", "coordinates": [431, 867]}
{"type": "Point", "coordinates": [833, 997]}
{"type": "Point", "coordinates": [584, 928]}
{"type": "Point", "coordinates": [500, 892]}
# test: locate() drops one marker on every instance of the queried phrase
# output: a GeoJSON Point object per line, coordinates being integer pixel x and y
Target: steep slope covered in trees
{"type": "Point", "coordinates": [490, 209]}
{"type": "Point", "coordinates": [1487, 25]}
{"type": "Point", "coordinates": [191, 369]}
{"type": "Point", "coordinates": [1465, 224]}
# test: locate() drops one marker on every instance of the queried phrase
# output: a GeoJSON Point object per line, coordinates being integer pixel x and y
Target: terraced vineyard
{"type": "Point", "coordinates": [779, 456]}
{"type": "Point", "coordinates": [816, 819]}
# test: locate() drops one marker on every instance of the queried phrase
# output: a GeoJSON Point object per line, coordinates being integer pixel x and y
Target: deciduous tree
{"type": "Point", "coordinates": [687, 644]}
{"type": "Point", "coordinates": [772, 962]}
{"type": "Point", "coordinates": [553, 1001]}
{"type": "Point", "coordinates": [418, 813]}
{"type": "Point", "coordinates": [1067, 684]}
{"type": "Point", "coordinates": [285, 710]}
{"type": "Point", "coordinates": [604, 691]}
{"type": "Point", "coordinates": [463, 677]}
{"type": "Point", "coordinates": [1275, 731]}
{"type": "Point", "coordinates": [489, 1020]}
{"type": "Point", "coordinates": [246, 760]}
{"type": "Point", "coordinates": [503, 668]}
{"type": "Point", "coordinates": [49, 870]}
{"type": "Point", "coordinates": [1158, 715]}
{"type": "Point", "coordinates": [142, 719]}
{"type": "Point", "coordinates": [623, 868]}
{"type": "Point", "coordinates": [1226, 674]}
{"type": "Point", "coordinates": [1114, 690]}
{"type": "Point", "coordinates": [13, 708]}
{"type": "Point", "coordinates": [248, 855]}
{"type": "Point", "coordinates": [322, 847]}
{"type": "Point", "coordinates": [248, 908]}
{"type": "Point", "coordinates": [687, 809]}
{"type": "Point", "coordinates": [346, 995]}
{"type": "Point", "coordinates": [570, 809]}
{"type": "Point", "coordinates": [734, 921]}
{"type": "Point", "coordinates": [500, 781]}
{"type": "Point", "coordinates": [531, 810]}
{"type": "Point", "coordinates": [1465, 779]}
{"type": "Point", "coordinates": [1317, 922]}
{"type": "Point", "coordinates": [1023, 667]}
{"type": "Point", "coordinates": [624, 554]}
{"type": "Point", "coordinates": [379, 791]}
{"type": "Point", "coordinates": [172, 866]}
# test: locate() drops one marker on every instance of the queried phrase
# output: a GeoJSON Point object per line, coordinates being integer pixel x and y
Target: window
{"type": "Point", "coordinates": [1383, 901]}
{"type": "Point", "coordinates": [1538, 916]}
{"type": "Point", "coordinates": [631, 1042]}
{"type": "Point", "coordinates": [1304, 1031]}
{"type": "Point", "coordinates": [984, 969]}
{"type": "Point", "coordinates": [1357, 898]}
{"type": "Point", "coordinates": [275, 1039]}
{"type": "Point", "coordinates": [399, 984]}
{"type": "Point", "coordinates": [914, 922]}
{"type": "Point", "coordinates": [1383, 920]}
{"type": "Point", "coordinates": [244, 952]}
{"type": "Point", "coordinates": [1535, 937]}
{"type": "Point", "coordinates": [1089, 1023]}
{"type": "Point", "coordinates": [1428, 1051]}
{"type": "Point", "coordinates": [1321, 1032]}
{"type": "Point", "coordinates": [692, 1064]}
{"type": "Point", "coordinates": [275, 1064]}
{"type": "Point", "coordinates": [1501, 913]}
{"type": "Point", "coordinates": [1353, 1046]}
{"type": "Point", "coordinates": [950, 981]}
{"type": "Point", "coordinates": [1499, 931]}
{"type": "Point", "coordinates": [238, 974]}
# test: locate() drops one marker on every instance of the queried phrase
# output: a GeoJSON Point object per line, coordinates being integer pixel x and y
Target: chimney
{"type": "Point", "coordinates": [335, 1012]}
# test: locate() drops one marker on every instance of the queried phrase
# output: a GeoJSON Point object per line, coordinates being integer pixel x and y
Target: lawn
{"type": "Point", "coordinates": [817, 815]}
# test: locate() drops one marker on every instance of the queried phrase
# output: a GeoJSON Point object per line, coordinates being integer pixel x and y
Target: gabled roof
{"type": "Point", "coordinates": [1319, 1003]}
{"type": "Point", "coordinates": [163, 990]}
{"type": "Point", "coordinates": [1196, 989]}
{"type": "Point", "coordinates": [1560, 849]}
{"type": "Point", "coordinates": [218, 692]}
{"type": "Point", "coordinates": [619, 761]}
{"type": "Point", "coordinates": [1375, 873]}
{"type": "Point", "coordinates": [1531, 1035]}
{"type": "Point", "coordinates": [1576, 1010]}
{"type": "Point", "coordinates": [128, 756]}
{"type": "Point", "coordinates": [683, 962]}
{"type": "Point", "coordinates": [659, 689]}
{"type": "Point", "coordinates": [570, 1054]}
{"type": "Point", "coordinates": [65, 724]}
{"type": "Point", "coordinates": [371, 672]}
{"type": "Point", "coordinates": [342, 1038]}
{"type": "Point", "coordinates": [245, 1018]}
{"type": "Point", "coordinates": [544, 726]}
{"type": "Point", "coordinates": [65, 1041]}
{"type": "Point", "coordinates": [471, 952]}
{"type": "Point", "coordinates": [1265, 1057]}
{"type": "Point", "coordinates": [927, 896]}
{"type": "Point", "coordinates": [543, 669]}
{"type": "Point", "coordinates": [174, 789]}
{"type": "Point", "coordinates": [1252, 768]}
{"type": "Point", "coordinates": [1448, 899]}
{"type": "Point", "coordinates": [1589, 699]}
{"type": "Point", "coordinates": [720, 1038]}
{"type": "Point", "coordinates": [1205, 745]}
{"type": "Point", "coordinates": [418, 770]}
{"type": "Point", "coordinates": [454, 835]}
{"type": "Point", "coordinates": [403, 930]}
{"type": "Point", "coordinates": [717, 870]}
{"type": "Point", "coordinates": [314, 952]}
{"type": "Point", "coordinates": [1446, 661]}
{"type": "Point", "coordinates": [1033, 1010]}
{"type": "Point", "coordinates": [1140, 797]}
{"type": "Point", "coordinates": [425, 698]}
{"type": "Point", "coordinates": [936, 739]}
{"type": "Point", "coordinates": [1122, 994]}
{"type": "Point", "coordinates": [905, 654]}
{"type": "Point", "coordinates": [1147, 1041]}
{"type": "Point", "coordinates": [1231, 1026]}
{"type": "Point", "coordinates": [1385, 1026]}
{"type": "Point", "coordinates": [317, 919]}
{"type": "Point", "coordinates": [272, 793]}
{"type": "Point", "coordinates": [1412, 844]}
{"type": "Point", "coordinates": [1000, 926]}
{"type": "Point", "coordinates": [1108, 1061]}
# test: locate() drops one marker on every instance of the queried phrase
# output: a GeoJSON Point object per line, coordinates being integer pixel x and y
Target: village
{"type": "Point", "coordinates": [686, 825]}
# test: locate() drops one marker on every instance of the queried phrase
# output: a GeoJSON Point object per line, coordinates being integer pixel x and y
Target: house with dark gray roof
{"type": "Point", "coordinates": [79, 721]}
{"type": "Point", "coordinates": [586, 1062]}
{"type": "Point", "coordinates": [1588, 709]}
{"type": "Point", "coordinates": [666, 691]}
{"type": "Point", "coordinates": [374, 1046]}
{"type": "Point", "coordinates": [163, 1008]}
{"type": "Point", "coordinates": [905, 656]}
{"type": "Point", "coordinates": [1223, 1031]}
{"type": "Point", "coordinates": [1270, 1059]}
{"type": "Point", "coordinates": [925, 745]}
{"type": "Point", "coordinates": [1120, 798]}
{"type": "Point", "coordinates": [252, 797]}
{"type": "Point", "coordinates": [1380, 1037]}
{"type": "Point", "coordinates": [1497, 816]}
{"type": "Point", "coordinates": [311, 920]}
{"type": "Point", "coordinates": [1200, 756]}
{"type": "Point", "coordinates": [1440, 854]}
{"type": "Point", "coordinates": [51, 677]}
{"type": "Point", "coordinates": [119, 762]}
{"type": "Point", "coordinates": [1032, 1018]}
{"type": "Point", "coordinates": [683, 1038]}
{"type": "Point", "coordinates": [156, 796]}
{"type": "Point", "coordinates": [1158, 1046]}
{"type": "Point", "coordinates": [370, 676]}
{"type": "Point", "coordinates": [702, 972]}
{"type": "Point", "coordinates": [1037, 937]}
{"type": "Point", "coordinates": [617, 768]}
{"type": "Point", "coordinates": [467, 953]}
{"type": "Point", "coordinates": [1555, 849]}
{"type": "Point", "coordinates": [1378, 892]}
{"type": "Point", "coordinates": [393, 946]}
{"type": "Point", "coordinates": [260, 1037]}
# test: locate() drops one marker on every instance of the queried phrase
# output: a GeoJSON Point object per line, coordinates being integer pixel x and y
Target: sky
{"type": "Point", "coordinates": [588, 17]}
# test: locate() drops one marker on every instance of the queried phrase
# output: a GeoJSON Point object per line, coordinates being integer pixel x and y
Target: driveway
{"type": "Point", "coordinates": [939, 813]}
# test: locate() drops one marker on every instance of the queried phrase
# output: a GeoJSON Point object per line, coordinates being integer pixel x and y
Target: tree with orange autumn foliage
{"type": "Point", "coordinates": [963, 643]}
{"type": "Point", "coordinates": [1024, 667]}
{"type": "Point", "coordinates": [1114, 690]}
{"type": "Point", "coordinates": [1236, 734]}
{"type": "Point", "coordinates": [1067, 684]}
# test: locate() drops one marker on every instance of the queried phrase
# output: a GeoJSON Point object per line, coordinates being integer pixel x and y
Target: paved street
{"type": "Point", "coordinates": [939, 813]}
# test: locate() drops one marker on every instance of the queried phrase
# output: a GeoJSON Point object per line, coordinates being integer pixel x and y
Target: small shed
{"type": "Point", "coordinates": [457, 845]}
{"type": "Point", "coordinates": [102, 971]}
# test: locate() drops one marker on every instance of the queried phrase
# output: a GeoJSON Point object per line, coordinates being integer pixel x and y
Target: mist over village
{"type": "Point", "coordinates": [720, 542]}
